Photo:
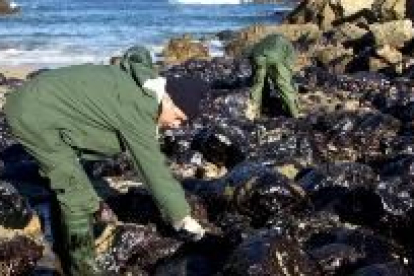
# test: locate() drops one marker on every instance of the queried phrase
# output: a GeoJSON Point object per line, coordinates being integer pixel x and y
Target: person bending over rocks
{"type": "Point", "coordinates": [272, 60]}
{"type": "Point", "coordinates": [86, 111]}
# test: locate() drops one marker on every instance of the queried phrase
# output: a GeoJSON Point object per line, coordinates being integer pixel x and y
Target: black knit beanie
{"type": "Point", "coordinates": [187, 93]}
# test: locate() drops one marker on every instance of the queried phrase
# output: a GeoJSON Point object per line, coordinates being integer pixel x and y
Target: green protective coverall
{"type": "Point", "coordinates": [62, 113]}
{"type": "Point", "coordinates": [273, 59]}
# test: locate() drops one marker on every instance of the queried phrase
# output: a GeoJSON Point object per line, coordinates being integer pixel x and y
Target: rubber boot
{"type": "Point", "coordinates": [79, 242]}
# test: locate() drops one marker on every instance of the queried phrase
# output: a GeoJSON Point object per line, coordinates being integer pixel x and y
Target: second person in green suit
{"type": "Point", "coordinates": [272, 60]}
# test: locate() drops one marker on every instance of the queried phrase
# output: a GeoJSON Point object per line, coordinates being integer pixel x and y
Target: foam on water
{"type": "Point", "coordinates": [49, 58]}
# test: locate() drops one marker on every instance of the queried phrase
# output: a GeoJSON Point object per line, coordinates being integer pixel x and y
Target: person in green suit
{"type": "Point", "coordinates": [272, 60]}
{"type": "Point", "coordinates": [88, 111]}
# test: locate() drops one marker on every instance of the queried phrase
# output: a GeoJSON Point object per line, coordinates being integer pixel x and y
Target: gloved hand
{"type": "Point", "coordinates": [191, 228]}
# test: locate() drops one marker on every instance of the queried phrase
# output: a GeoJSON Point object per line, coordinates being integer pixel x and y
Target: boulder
{"type": "Point", "coordinates": [394, 33]}
{"type": "Point", "coordinates": [387, 10]}
{"type": "Point", "coordinates": [334, 58]}
{"type": "Point", "coordinates": [327, 17]}
{"type": "Point", "coordinates": [389, 54]}
{"type": "Point", "coordinates": [326, 13]}
{"type": "Point", "coordinates": [347, 34]}
{"type": "Point", "coordinates": [377, 64]}
{"type": "Point", "coordinates": [181, 49]}
{"type": "Point", "coordinates": [347, 8]}
{"type": "Point", "coordinates": [307, 11]}
{"type": "Point", "coordinates": [266, 253]}
{"type": "Point", "coordinates": [250, 35]}
{"type": "Point", "coordinates": [18, 255]}
{"type": "Point", "coordinates": [226, 35]}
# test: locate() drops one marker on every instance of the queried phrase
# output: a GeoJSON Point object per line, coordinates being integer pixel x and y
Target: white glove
{"type": "Point", "coordinates": [190, 226]}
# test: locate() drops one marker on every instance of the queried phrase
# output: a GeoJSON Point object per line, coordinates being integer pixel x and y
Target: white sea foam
{"type": "Point", "coordinates": [46, 58]}
{"type": "Point", "coordinates": [216, 48]}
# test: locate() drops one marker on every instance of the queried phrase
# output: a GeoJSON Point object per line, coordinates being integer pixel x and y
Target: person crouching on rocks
{"type": "Point", "coordinates": [272, 60]}
{"type": "Point", "coordinates": [64, 115]}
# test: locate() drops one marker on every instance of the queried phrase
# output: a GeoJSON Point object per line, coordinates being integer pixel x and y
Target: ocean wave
{"type": "Point", "coordinates": [64, 56]}
{"type": "Point", "coordinates": [46, 58]}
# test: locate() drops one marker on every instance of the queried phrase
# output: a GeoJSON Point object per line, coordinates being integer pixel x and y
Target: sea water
{"type": "Point", "coordinates": [62, 32]}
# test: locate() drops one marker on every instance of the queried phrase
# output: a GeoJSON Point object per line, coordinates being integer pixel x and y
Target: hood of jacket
{"type": "Point", "coordinates": [137, 62]}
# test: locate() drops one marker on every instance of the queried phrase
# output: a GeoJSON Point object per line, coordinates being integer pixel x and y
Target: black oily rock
{"type": "Point", "coordinates": [204, 257]}
{"type": "Point", "coordinates": [376, 126]}
{"type": "Point", "coordinates": [397, 194]}
{"type": "Point", "coordinates": [16, 163]}
{"type": "Point", "coordinates": [115, 166]}
{"type": "Point", "coordinates": [340, 174]}
{"type": "Point", "coordinates": [220, 72]}
{"type": "Point", "coordinates": [15, 212]}
{"type": "Point", "coordinates": [138, 206]}
{"type": "Point", "coordinates": [175, 144]}
{"type": "Point", "coordinates": [397, 102]}
{"type": "Point", "coordinates": [335, 258]}
{"type": "Point", "coordinates": [136, 246]}
{"type": "Point", "coordinates": [398, 145]}
{"type": "Point", "coordinates": [192, 265]}
{"type": "Point", "coordinates": [337, 247]}
{"type": "Point", "coordinates": [399, 166]}
{"type": "Point", "coordinates": [399, 228]}
{"type": "Point", "coordinates": [135, 206]}
{"type": "Point", "coordinates": [376, 249]}
{"type": "Point", "coordinates": [346, 189]}
{"type": "Point", "coordinates": [224, 104]}
{"type": "Point", "coordinates": [360, 206]}
{"type": "Point", "coordinates": [355, 135]}
{"type": "Point", "coordinates": [226, 35]}
{"type": "Point", "coordinates": [387, 269]}
{"type": "Point", "coordinates": [18, 256]}
{"type": "Point", "coordinates": [218, 147]}
{"type": "Point", "coordinates": [361, 84]}
{"type": "Point", "coordinates": [301, 148]}
{"type": "Point", "coordinates": [267, 196]}
{"type": "Point", "coordinates": [6, 137]}
{"type": "Point", "coordinates": [342, 251]}
{"type": "Point", "coordinates": [266, 253]}
{"type": "Point", "coordinates": [251, 189]}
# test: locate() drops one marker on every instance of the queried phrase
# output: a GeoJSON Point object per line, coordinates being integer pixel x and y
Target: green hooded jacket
{"type": "Point", "coordinates": [63, 113]}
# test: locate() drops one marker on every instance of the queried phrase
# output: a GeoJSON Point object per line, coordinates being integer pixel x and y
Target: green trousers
{"type": "Point", "coordinates": [78, 244]}
{"type": "Point", "coordinates": [273, 59]}
{"type": "Point", "coordinates": [76, 197]}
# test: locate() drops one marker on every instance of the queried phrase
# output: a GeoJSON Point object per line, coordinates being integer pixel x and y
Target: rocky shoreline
{"type": "Point", "coordinates": [329, 193]}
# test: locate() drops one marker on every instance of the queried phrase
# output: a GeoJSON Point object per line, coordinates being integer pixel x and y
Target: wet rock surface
{"type": "Point", "coordinates": [328, 193]}
{"type": "Point", "coordinates": [18, 255]}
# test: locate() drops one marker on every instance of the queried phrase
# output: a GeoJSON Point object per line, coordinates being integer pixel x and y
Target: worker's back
{"type": "Point", "coordinates": [87, 101]}
{"type": "Point", "coordinates": [274, 45]}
